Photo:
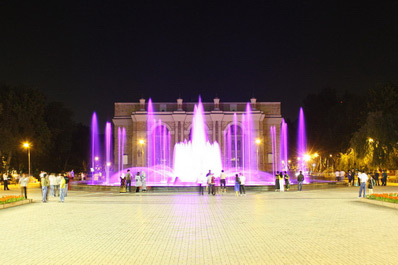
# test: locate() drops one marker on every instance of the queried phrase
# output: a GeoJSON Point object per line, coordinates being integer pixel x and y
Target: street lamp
{"type": "Point", "coordinates": [27, 146]}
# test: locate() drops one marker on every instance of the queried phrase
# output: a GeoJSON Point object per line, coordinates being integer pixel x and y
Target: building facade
{"type": "Point", "coordinates": [176, 120]}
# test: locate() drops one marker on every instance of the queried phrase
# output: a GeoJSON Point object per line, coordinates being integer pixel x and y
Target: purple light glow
{"type": "Point", "coordinates": [273, 144]}
{"type": "Point", "coordinates": [301, 141]}
{"type": "Point", "coordinates": [283, 147]}
{"type": "Point", "coordinates": [108, 150]}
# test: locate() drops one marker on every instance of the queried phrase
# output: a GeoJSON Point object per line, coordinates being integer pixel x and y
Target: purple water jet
{"type": "Point", "coordinates": [301, 142]}
{"type": "Point", "coordinates": [108, 150]}
{"type": "Point", "coordinates": [283, 147]}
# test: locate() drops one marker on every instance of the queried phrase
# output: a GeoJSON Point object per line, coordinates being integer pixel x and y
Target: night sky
{"type": "Point", "coordinates": [90, 54]}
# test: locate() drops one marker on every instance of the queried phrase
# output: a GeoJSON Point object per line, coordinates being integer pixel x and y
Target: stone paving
{"type": "Point", "coordinates": [310, 227]}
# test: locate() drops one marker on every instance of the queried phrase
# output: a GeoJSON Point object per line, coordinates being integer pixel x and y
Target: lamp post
{"type": "Point", "coordinates": [27, 146]}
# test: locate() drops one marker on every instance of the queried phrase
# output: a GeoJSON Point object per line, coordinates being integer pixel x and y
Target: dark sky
{"type": "Point", "coordinates": [90, 54]}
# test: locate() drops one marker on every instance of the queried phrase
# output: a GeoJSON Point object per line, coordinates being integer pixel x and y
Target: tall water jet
{"type": "Point", "coordinates": [95, 150]}
{"type": "Point", "coordinates": [301, 141]}
{"type": "Point", "coordinates": [283, 146]}
{"type": "Point", "coordinates": [250, 164]}
{"type": "Point", "coordinates": [108, 150]}
{"type": "Point", "coordinates": [273, 148]}
{"type": "Point", "coordinates": [197, 156]}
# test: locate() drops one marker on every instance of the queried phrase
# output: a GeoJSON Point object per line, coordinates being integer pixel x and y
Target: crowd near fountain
{"type": "Point", "coordinates": [194, 157]}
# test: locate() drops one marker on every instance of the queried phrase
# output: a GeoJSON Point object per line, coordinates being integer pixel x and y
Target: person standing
{"type": "Point", "coordinates": [44, 186]}
{"type": "Point", "coordinates": [384, 178]}
{"type": "Point", "coordinates": [62, 188]}
{"type": "Point", "coordinates": [208, 176]}
{"type": "Point", "coordinates": [23, 182]}
{"type": "Point", "coordinates": [52, 185]}
{"type": "Point", "coordinates": [363, 179]}
{"type": "Point", "coordinates": [138, 182]}
{"type": "Point", "coordinates": [277, 181]}
{"type": "Point", "coordinates": [281, 182]}
{"type": "Point", "coordinates": [342, 175]}
{"type": "Point", "coordinates": [66, 177]}
{"type": "Point", "coordinates": [337, 173]}
{"type": "Point", "coordinates": [213, 184]}
{"type": "Point", "coordinates": [377, 175]}
{"type": "Point", "coordinates": [143, 180]}
{"type": "Point", "coordinates": [300, 180]}
{"type": "Point", "coordinates": [5, 181]}
{"type": "Point", "coordinates": [349, 176]}
{"type": "Point", "coordinates": [242, 179]}
{"type": "Point", "coordinates": [57, 184]}
{"type": "Point", "coordinates": [202, 183]}
{"type": "Point", "coordinates": [237, 185]}
{"type": "Point", "coordinates": [371, 184]}
{"type": "Point", "coordinates": [287, 181]}
{"type": "Point", "coordinates": [122, 184]}
{"type": "Point", "coordinates": [128, 180]}
{"type": "Point", "coordinates": [223, 176]}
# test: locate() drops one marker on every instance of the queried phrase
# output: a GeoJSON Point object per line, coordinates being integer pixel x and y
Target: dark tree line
{"type": "Point", "coordinates": [360, 129]}
{"type": "Point", "coordinates": [58, 143]}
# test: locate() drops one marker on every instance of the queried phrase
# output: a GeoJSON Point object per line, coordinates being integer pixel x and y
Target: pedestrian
{"type": "Point", "coordinates": [377, 175]}
{"type": "Point", "coordinates": [277, 181]}
{"type": "Point", "coordinates": [237, 185]}
{"type": "Point", "coordinates": [363, 179]}
{"type": "Point", "coordinates": [371, 184]}
{"type": "Point", "coordinates": [122, 184]}
{"type": "Point", "coordinates": [66, 177]}
{"type": "Point", "coordinates": [202, 181]}
{"type": "Point", "coordinates": [242, 190]}
{"type": "Point", "coordinates": [300, 179]}
{"type": "Point", "coordinates": [5, 181]}
{"type": "Point", "coordinates": [337, 174]}
{"type": "Point", "coordinates": [349, 176]}
{"type": "Point", "coordinates": [281, 182]}
{"type": "Point", "coordinates": [208, 176]}
{"type": "Point", "coordinates": [223, 176]}
{"type": "Point", "coordinates": [213, 184]}
{"type": "Point", "coordinates": [138, 182]}
{"type": "Point", "coordinates": [23, 182]}
{"type": "Point", "coordinates": [128, 180]}
{"type": "Point", "coordinates": [57, 184]}
{"type": "Point", "coordinates": [143, 180]}
{"type": "Point", "coordinates": [44, 186]}
{"type": "Point", "coordinates": [287, 181]}
{"type": "Point", "coordinates": [52, 184]}
{"type": "Point", "coordinates": [384, 178]}
{"type": "Point", "coordinates": [342, 175]}
{"type": "Point", "coordinates": [62, 188]}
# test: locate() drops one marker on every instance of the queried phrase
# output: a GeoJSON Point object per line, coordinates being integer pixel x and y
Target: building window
{"type": "Point", "coordinates": [233, 148]}
{"type": "Point", "coordinates": [160, 153]}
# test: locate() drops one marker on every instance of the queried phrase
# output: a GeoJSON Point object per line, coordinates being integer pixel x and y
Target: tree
{"type": "Point", "coordinates": [21, 119]}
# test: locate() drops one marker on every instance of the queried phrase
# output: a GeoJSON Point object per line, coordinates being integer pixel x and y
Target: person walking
{"type": "Point", "coordinates": [143, 180]}
{"type": "Point", "coordinates": [223, 177]}
{"type": "Point", "coordinates": [287, 181]}
{"type": "Point", "coordinates": [242, 190]}
{"type": "Point", "coordinates": [128, 180]}
{"type": "Point", "coordinates": [44, 186]}
{"type": "Point", "coordinates": [5, 181]}
{"type": "Point", "coordinates": [62, 188]}
{"type": "Point", "coordinates": [237, 185]}
{"type": "Point", "coordinates": [23, 182]}
{"type": "Point", "coordinates": [300, 180]}
{"type": "Point", "coordinates": [138, 182]}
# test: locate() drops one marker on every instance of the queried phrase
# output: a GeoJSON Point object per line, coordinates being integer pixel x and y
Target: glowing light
{"type": "Point", "coordinates": [315, 155]}
{"type": "Point", "coordinates": [307, 157]}
{"type": "Point", "coordinates": [258, 141]}
{"type": "Point", "coordinates": [108, 164]}
{"type": "Point", "coordinates": [289, 161]}
{"type": "Point", "coordinates": [370, 140]}
{"type": "Point", "coordinates": [141, 141]}
{"type": "Point", "coordinates": [298, 158]}
{"type": "Point", "coordinates": [96, 158]}
{"type": "Point", "coordinates": [26, 145]}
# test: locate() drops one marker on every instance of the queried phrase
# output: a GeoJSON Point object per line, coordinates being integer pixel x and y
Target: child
{"type": "Point", "coordinates": [371, 184]}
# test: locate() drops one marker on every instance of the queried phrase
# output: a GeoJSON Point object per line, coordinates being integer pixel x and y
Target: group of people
{"type": "Point", "coordinates": [139, 182]}
{"type": "Point", "coordinates": [354, 180]}
{"type": "Point", "coordinates": [58, 185]}
{"type": "Point", "coordinates": [282, 181]}
{"type": "Point", "coordinates": [216, 185]}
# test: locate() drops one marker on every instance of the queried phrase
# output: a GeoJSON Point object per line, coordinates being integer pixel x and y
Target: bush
{"type": "Point", "coordinates": [385, 197]}
{"type": "Point", "coordinates": [10, 199]}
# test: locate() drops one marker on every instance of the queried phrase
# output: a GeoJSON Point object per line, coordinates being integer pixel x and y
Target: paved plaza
{"type": "Point", "coordinates": [329, 226]}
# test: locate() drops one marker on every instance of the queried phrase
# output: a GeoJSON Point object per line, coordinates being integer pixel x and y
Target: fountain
{"type": "Point", "coordinates": [283, 165]}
